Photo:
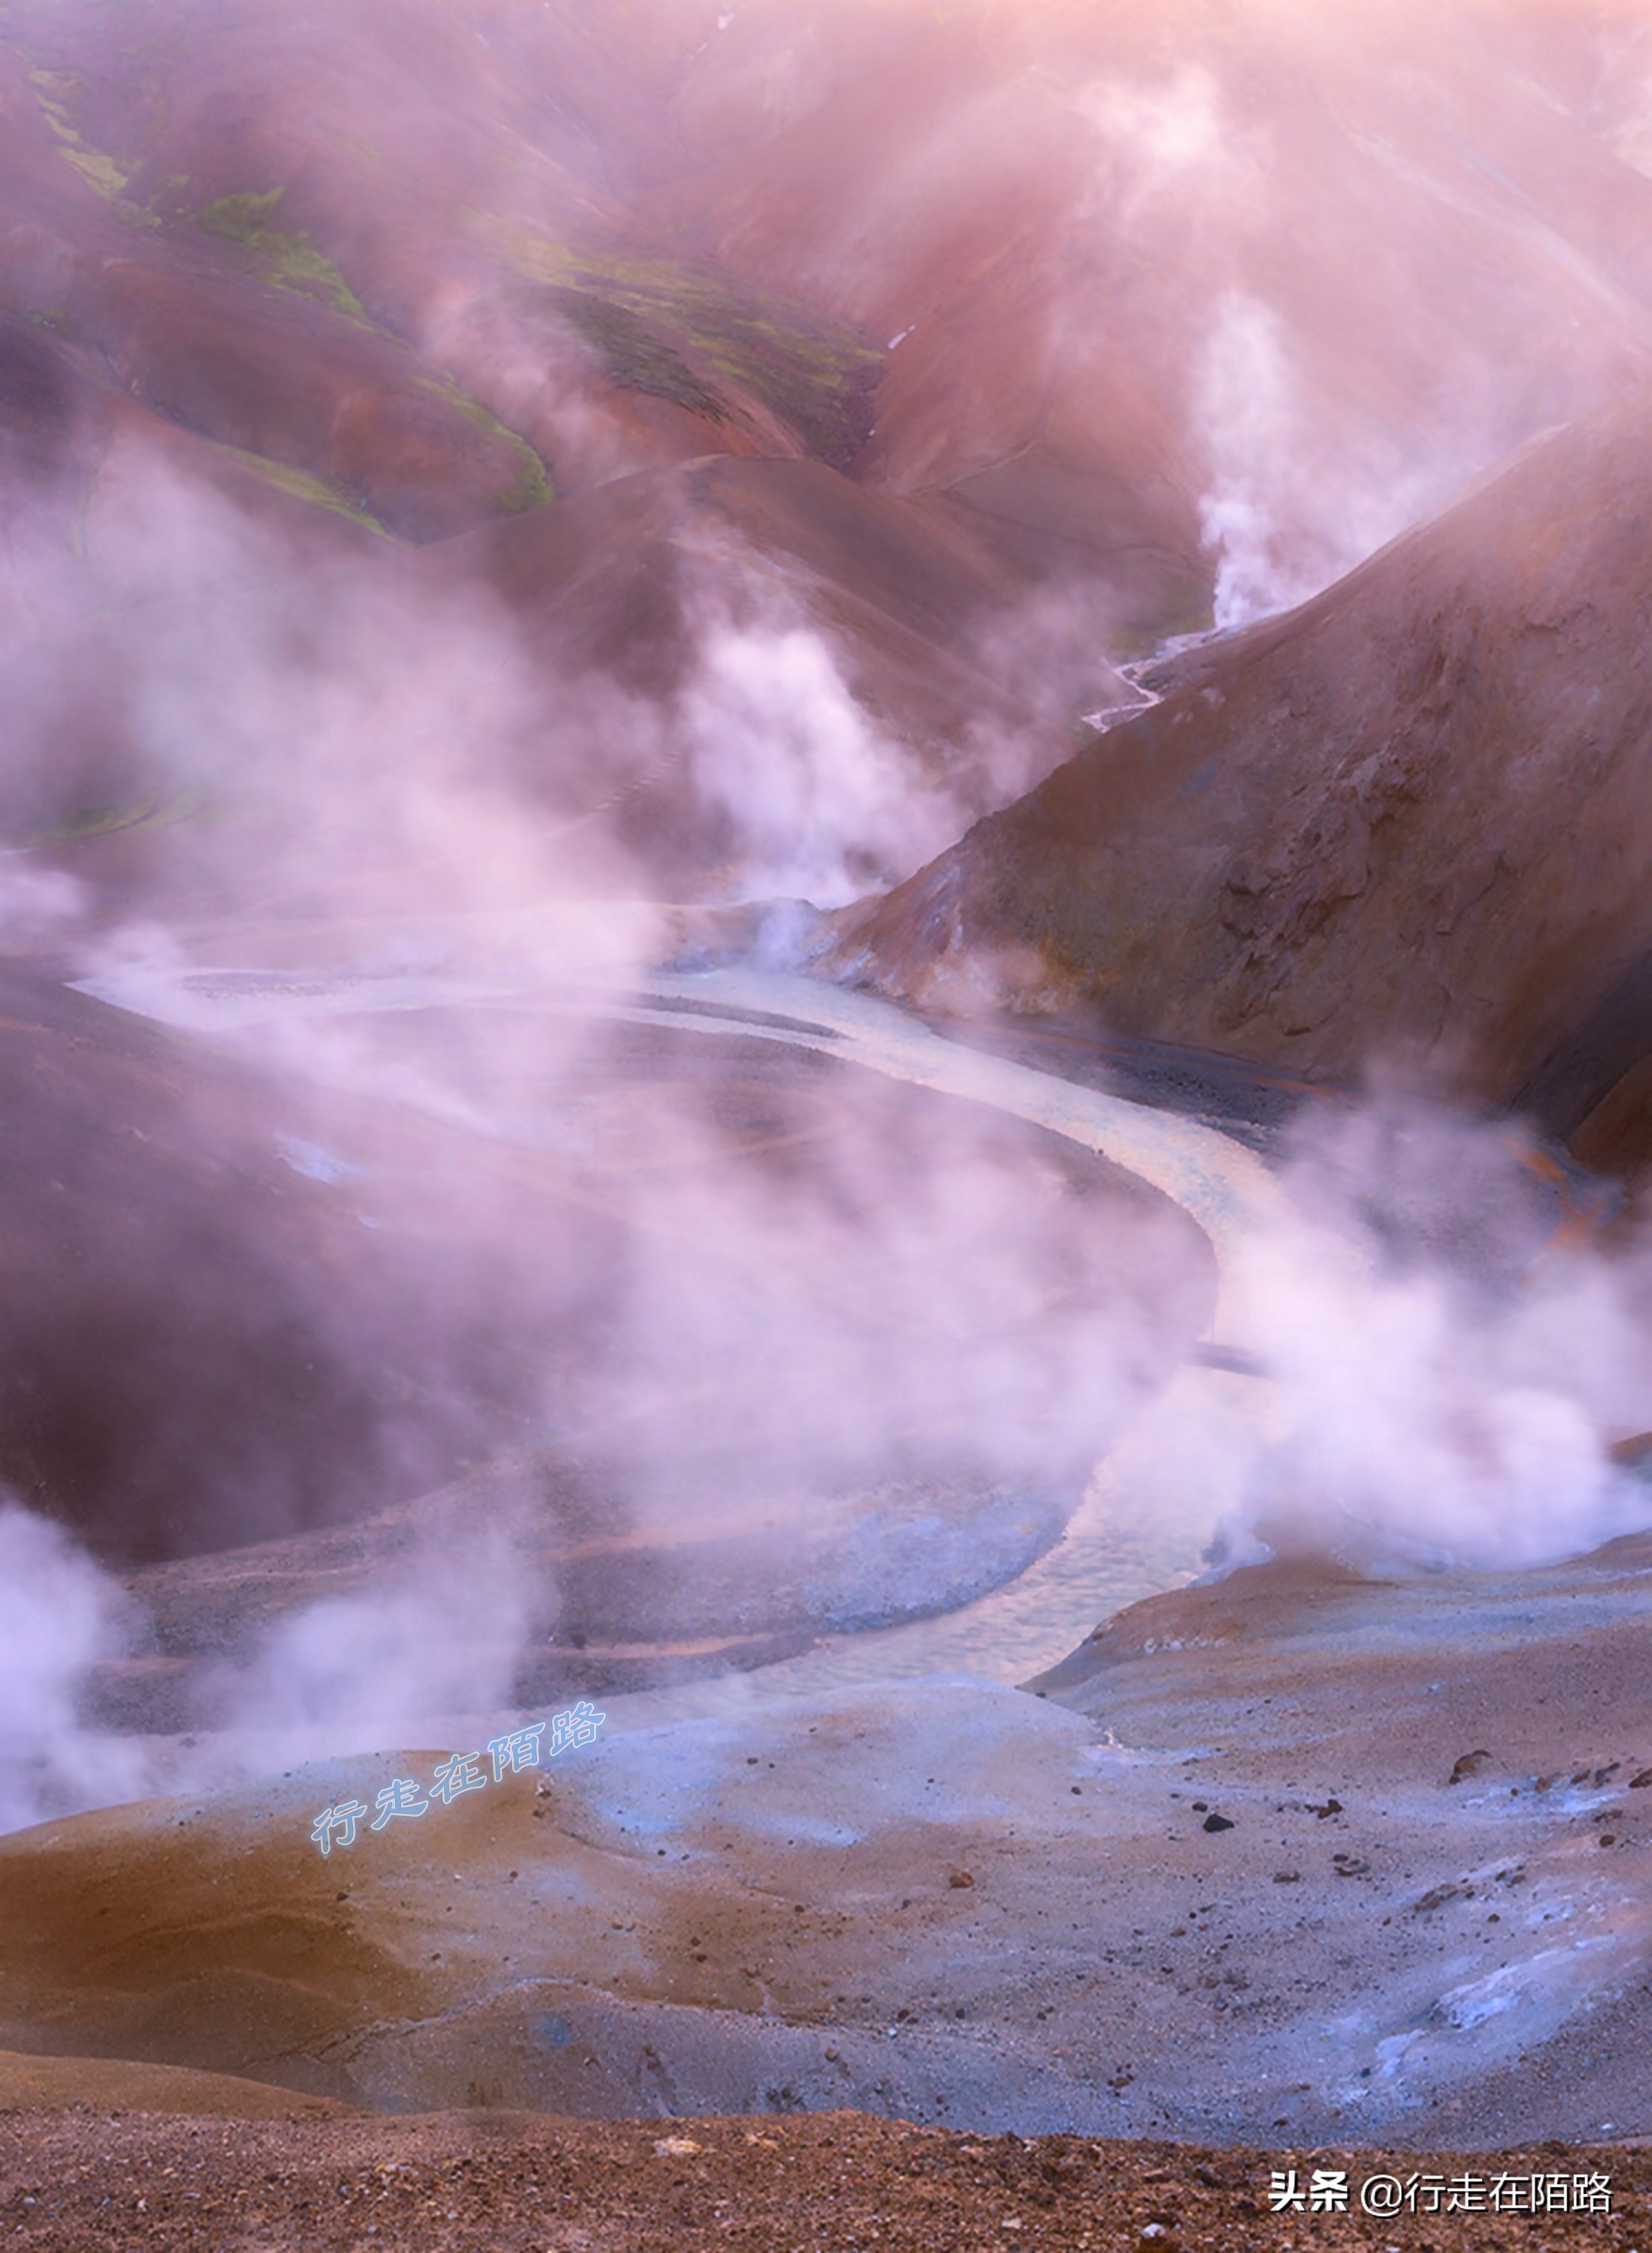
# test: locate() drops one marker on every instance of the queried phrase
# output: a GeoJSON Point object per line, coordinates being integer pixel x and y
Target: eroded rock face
{"type": "Point", "coordinates": [1411, 817]}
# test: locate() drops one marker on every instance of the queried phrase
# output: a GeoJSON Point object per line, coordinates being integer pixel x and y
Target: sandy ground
{"type": "Point", "coordinates": [503, 2183]}
{"type": "Point", "coordinates": [1218, 1885]}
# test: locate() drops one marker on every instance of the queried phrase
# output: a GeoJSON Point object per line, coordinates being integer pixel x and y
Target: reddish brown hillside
{"type": "Point", "coordinates": [1415, 814]}
{"type": "Point", "coordinates": [1300, 266]}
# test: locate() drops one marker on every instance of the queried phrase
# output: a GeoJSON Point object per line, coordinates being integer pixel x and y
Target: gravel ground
{"type": "Point", "coordinates": [483, 2182]}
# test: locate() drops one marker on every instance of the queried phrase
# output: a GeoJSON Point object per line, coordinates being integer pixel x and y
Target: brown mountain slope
{"type": "Point", "coordinates": [1160, 300]}
{"type": "Point", "coordinates": [252, 340]}
{"type": "Point", "coordinates": [411, 220]}
{"type": "Point", "coordinates": [1294, 268]}
{"type": "Point", "coordinates": [1413, 814]}
{"type": "Point", "coordinates": [687, 587]}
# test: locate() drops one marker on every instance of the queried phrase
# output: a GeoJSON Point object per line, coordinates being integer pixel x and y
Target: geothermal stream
{"type": "Point", "coordinates": [1151, 1505]}
{"type": "Point", "coordinates": [991, 1888]}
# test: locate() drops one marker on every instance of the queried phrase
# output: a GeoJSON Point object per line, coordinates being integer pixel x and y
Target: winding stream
{"type": "Point", "coordinates": [1151, 1505]}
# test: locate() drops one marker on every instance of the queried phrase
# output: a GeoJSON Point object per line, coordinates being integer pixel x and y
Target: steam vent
{"type": "Point", "coordinates": [825, 1089]}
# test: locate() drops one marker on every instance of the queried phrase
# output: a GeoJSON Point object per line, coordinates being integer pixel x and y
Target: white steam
{"type": "Point", "coordinates": [916, 1286]}
{"type": "Point", "coordinates": [1170, 138]}
{"type": "Point", "coordinates": [355, 748]}
{"type": "Point", "coordinates": [445, 1634]}
{"type": "Point", "coordinates": [821, 806]}
{"type": "Point", "coordinates": [60, 1616]}
{"type": "Point", "coordinates": [36, 904]}
{"type": "Point", "coordinates": [1455, 1403]}
{"type": "Point", "coordinates": [1283, 515]}
{"type": "Point", "coordinates": [1450, 1395]}
{"type": "Point", "coordinates": [1248, 410]}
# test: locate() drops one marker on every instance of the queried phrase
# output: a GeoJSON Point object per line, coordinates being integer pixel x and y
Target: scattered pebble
{"type": "Point", "coordinates": [1469, 1764]}
{"type": "Point", "coordinates": [1437, 1897]}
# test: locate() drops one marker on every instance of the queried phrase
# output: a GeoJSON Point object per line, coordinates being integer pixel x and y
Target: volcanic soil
{"type": "Point", "coordinates": [500, 2182]}
{"type": "Point", "coordinates": [1297, 1856]}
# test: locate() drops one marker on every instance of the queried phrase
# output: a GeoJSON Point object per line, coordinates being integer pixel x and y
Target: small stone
{"type": "Point", "coordinates": [1642, 1782]}
{"type": "Point", "coordinates": [1469, 1764]}
{"type": "Point", "coordinates": [959, 1879]}
{"type": "Point", "coordinates": [1288, 1877]}
{"type": "Point", "coordinates": [1216, 1823]}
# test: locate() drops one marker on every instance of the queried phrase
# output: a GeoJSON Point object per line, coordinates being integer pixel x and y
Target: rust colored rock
{"type": "Point", "coordinates": [1469, 1764]}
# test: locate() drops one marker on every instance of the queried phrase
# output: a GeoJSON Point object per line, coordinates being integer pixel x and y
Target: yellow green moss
{"type": "Point", "coordinates": [532, 488]}
{"type": "Point", "coordinates": [51, 92]}
{"type": "Point", "coordinates": [303, 485]}
{"type": "Point", "coordinates": [687, 332]}
{"type": "Point", "coordinates": [291, 260]}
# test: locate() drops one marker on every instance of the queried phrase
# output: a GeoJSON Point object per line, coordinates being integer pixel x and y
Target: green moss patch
{"type": "Point", "coordinates": [693, 335]}
{"type": "Point", "coordinates": [634, 356]}
{"type": "Point", "coordinates": [532, 486]}
{"type": "Point", "coordinates": [303, 486]}
{"type": "Point", "coordinates": [291, 260]}
{"type": "Point", "coordinates": [53, 93]}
